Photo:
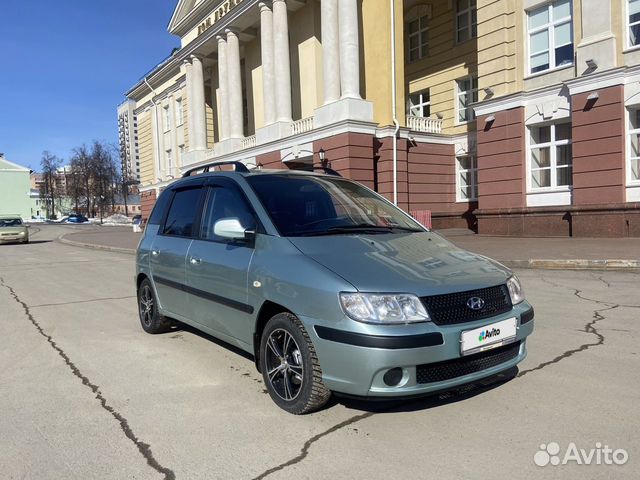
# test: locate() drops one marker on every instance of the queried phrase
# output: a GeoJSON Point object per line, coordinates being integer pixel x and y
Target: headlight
{"type": "Point", "coordinates": [22, 234]}
{"type": "Point", "coordinates": [383, 308]}
{"type": "Point", "coordinates": [515, 290]}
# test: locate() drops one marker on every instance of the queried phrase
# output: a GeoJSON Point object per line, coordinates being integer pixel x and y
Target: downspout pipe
{"type": "Point", "coordinates": [393, 101]}
{"type": "Point", "coordinates": [155, 122]}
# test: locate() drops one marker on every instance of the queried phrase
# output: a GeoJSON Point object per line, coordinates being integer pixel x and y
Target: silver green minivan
{"type": "Point", "coordinates": [328, 285]}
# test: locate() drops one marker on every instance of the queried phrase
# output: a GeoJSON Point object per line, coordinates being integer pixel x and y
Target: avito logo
{"type": "Point", "coordinates": [494, 332]}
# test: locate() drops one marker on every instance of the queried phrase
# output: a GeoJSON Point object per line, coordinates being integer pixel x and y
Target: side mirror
{"type": "Point", "coordinates": [232, 229]}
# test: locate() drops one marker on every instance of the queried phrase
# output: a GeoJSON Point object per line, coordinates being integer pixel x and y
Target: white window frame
{"type": "Point", "coordinates": [422, 103]}
{"type": "Point", "coordinates": [179, 112]}
{"type": "Point", "coordinates": [630, 181]}
{"type": "Point", "coordinates": [166, 118]}
{"type": "Point", "coordinates": [474, 176]}
{"type": "Point", "coordinates": [422, 34]}
{"type": "Point", "coordinates": [553, 160]}
{"type": "Point", "coordinates": [550, 27]}
{"type": "Point", "coordinates": [471, 25]}
{"type": "Point", "coordinates": [627, 28]}
{"type": "Point", "coordinates": [460, 93]}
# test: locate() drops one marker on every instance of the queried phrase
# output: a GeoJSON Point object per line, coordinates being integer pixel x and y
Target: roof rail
{"type": "Point", "coordinates": [239, 167]}
{"type": "Point", "coordinates": [327, 170]}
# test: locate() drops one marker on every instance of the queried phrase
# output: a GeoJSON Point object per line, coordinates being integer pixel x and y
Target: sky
{"type": "Point", "coordinates": [65, 66]}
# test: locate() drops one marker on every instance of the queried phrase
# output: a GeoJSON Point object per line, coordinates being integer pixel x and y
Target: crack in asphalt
{"type": "Point", "coordinates": [304, 451]}
{"type": "Point", "coordinates": [143, 448]}
{"type": "Point", "coordinates": [81, 301]}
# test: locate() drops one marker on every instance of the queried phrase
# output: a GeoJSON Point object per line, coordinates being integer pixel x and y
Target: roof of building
{"type": "Point", "coordinates": [7, 165]}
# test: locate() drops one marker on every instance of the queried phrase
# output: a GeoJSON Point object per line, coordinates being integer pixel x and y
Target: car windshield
{"type": "Point", "coordinates": [313, 205]}
{"type": "Point", "coordinates": [10, 222]}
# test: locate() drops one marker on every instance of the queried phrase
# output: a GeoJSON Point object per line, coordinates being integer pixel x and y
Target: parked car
{"type": "Point", "coordinates": [13, 230]}
{"type": "Point", "coordinates": [76, 218]}
{"type": "Point", "coordinates": [330, 286]}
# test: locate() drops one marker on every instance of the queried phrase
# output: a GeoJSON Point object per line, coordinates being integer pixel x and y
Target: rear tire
{"type": "Point", "coordinates": [290, 366]}
{"type": "Point", "coordinates": [150, 319]}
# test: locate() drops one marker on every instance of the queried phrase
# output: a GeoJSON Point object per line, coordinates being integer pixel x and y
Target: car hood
{"type": "Point", "coordinates": [419, 263]}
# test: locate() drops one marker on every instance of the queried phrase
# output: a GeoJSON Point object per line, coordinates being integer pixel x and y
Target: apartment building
{"type": "Point", "coordinates": [510, 117]}
{"type": "Point", "coordinates": [128, 141]}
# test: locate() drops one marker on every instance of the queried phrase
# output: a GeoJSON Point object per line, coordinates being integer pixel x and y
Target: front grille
{"type": "Point", "coordinates": [451, 308]}
{"type": "Point", "coordinates": [458, 367]}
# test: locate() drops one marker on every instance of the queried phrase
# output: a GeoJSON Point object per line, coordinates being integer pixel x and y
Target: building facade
{"type": "Point", "coordinates": [15, 189]}
{"type": "Point", "coordinates": [510, 117]}
{"type": "Point", "coordinates": [128, 141]}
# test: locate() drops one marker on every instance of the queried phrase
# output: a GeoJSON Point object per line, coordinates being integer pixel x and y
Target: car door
{"type": "Point", "coordinates": [170, 246]}
{"type": "Point", "coordinates": [217, 269]}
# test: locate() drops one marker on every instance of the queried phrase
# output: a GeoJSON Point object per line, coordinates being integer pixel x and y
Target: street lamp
{"type": "Point", "coordinates": [323, 158]}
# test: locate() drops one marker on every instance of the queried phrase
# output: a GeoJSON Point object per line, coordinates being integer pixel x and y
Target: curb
{"type": "Point", "coordinates": [94, 246]}
{"type": "Point", "coordinates": [574, 264]}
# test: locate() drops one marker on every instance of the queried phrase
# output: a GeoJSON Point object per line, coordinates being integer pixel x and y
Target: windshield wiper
{"type": "Point", "coordinates": [358, 228]}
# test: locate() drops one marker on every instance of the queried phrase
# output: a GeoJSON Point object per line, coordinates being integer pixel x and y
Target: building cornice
{"type": "Point", "coordinates": [595, 81]}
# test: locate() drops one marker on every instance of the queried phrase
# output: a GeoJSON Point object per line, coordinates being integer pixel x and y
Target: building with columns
{"type": "Point", "coordinates": [509, 117]}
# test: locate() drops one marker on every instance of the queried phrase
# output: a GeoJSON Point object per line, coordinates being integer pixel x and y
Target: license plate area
{"type": "Point", "coordinates": [488, 336]}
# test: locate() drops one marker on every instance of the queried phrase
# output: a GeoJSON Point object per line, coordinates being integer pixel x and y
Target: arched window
{"type": "Point", "coordinates": [417, 32]}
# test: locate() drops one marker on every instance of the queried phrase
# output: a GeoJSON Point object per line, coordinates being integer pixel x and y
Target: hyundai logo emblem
{"type": "Point", "coordinates": [475, 303]}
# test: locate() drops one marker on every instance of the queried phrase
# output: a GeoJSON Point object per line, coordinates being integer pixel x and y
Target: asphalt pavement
{"type": "Point", "coordinates": [86, 394]}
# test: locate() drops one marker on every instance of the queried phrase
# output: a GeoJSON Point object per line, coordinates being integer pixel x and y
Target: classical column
{"type": "Point", "coordinates": [268, 71]}
{"type": "Point", "coordinates": [349, 48]}
{"type": "Point", "coordinates": [223, 85]}
{"type": "Point", "coordinates": [189, 74]}
{"type": "Point", "coordinates": [282, 60]}
{"type": "Point", "coordinates": [198, 131]}
{"type": "Point", "coordinates": [234, 79]}
{"type": "Point", "coordinates": [330, 50]}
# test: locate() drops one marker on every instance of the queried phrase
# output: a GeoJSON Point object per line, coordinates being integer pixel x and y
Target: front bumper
{"type": "Point", "coordinates": [11, 238]}
{"type": "Point", "coordinates": [354, 363]}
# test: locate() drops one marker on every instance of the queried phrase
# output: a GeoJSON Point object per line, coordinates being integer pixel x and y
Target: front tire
{"type": "Point", "coordinates": [290, 366]}
{"type": "Point", "coordinates": [150, 318]}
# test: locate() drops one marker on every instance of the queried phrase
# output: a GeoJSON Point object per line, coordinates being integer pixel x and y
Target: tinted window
{"type": "Point", "coordinates": [183, 212]}
{"type": "Point", "coordinates": [224, 203]}
{"type": "Point", "coordinates": [315, 205]}
{"type": "Point", "coordinates": [160, 208]}
{"type": "Point", "coordinates": [10, 222]}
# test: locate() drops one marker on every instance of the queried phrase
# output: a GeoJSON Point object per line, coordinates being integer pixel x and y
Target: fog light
{"type": "Point", "coordinates": [393, 377]}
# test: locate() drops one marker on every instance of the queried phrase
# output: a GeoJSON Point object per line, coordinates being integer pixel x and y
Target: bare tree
{"type": "Point", "coordinates": [82, 173]}
{"type": "Point", "coordinates": [50, 187]}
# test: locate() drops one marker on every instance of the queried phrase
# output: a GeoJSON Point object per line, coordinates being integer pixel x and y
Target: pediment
{"type": "Point", "coordinates": [183, 9]}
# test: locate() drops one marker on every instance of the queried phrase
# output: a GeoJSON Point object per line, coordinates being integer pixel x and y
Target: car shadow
{"type": "Point", "coordinates": [35, 242]}
{"type": "Point", "coordinates": [425, 402]}
{"type": "Point", "coordinates": [178, 326]}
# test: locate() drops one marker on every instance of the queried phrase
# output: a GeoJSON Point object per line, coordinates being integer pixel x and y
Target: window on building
{"type": "Point", "coordinates": [550, 156]}
{"type": "Point", "coordinates": [179, 112]}
{"type": "Point", "coordinates": [180, 154]}
{"type": "Point", "coordinates": [420, 104]}
{"type": "Point", "coordinates": [466, 20]}
{"type": "Point", "coordinates": [169, 160]}
{"type": "Point", "coordinates": [467, 93]}
{"type": "Point", "coordinates": [633, 22]}
{"type": "Point", "coordinates": [166, 118]}
{"type": "Point", "coordinates": [466, 178]}
{"type": "Point", "coordinates": [550, 36]}
{"type": "Point", "coordinates": [417, 32]}
{"type": "Point", "coordinates": [634, 145]}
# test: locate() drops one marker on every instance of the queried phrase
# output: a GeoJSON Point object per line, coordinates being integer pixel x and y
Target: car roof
{"type": "Point", "coordinates": [252, 173]}
{"type": "Point", "coordinates": [10, 217]}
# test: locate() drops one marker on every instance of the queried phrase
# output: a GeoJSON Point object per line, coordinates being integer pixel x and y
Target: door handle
{"type": "Point", "coordinates": [195, 261]}
{"type": "Point", "coordinates": [155, 253]}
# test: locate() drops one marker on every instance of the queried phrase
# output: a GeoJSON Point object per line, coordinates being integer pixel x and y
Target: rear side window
{"type": "Point", "coordinates": [160, 208]}
{"type": "Point", "coordinates": [183, 213]}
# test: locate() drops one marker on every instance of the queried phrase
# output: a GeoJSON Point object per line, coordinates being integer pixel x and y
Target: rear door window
{"type": "Point", "coordinates": [183, 212]}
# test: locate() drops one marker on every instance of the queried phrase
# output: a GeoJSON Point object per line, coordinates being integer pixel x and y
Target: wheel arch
{"type": "Point", "coordinates": [267, 311]}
